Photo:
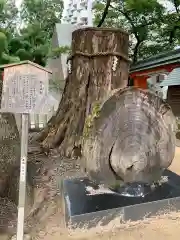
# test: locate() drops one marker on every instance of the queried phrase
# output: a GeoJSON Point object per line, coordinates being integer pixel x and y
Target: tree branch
{"type": "Point", "coordinates": [129, 19]}
{"type": "Point", "coordinates": [176, 6]}
{"type": "Point", "coordinates": [135, 55]}
{"type": "Point", "coordinates": [104, 13]}
{"type": "Point", "coordinates": [135, 32]}
{"type": "Point", "coordinates": [131, 22]}
{"type": "Point", "coordinates": [173, 31]}
{"type": "Point", "coordinates": [172, 34]}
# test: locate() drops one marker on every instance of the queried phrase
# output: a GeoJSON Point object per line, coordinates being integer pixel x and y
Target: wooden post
{"type": "Point", "coordinates": [29, 121]}
{"type": "Point", "coordinates": [18, 121]}
{"type": "Point", "coordinates": [36, 119]}
{"type": "Point", "coordinates": [22, 182]}
{"type": "Point", "coordinates": [43, 120]}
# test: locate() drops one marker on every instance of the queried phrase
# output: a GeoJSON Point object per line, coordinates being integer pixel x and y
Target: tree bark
{"type": "Point", "coordinates": [131, 138]}
{"type": "Point", "coordinates": [93, 77]}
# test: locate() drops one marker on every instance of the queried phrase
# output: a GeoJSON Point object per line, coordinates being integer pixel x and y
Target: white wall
{"type": "Point", "coordinates": [78, 12]}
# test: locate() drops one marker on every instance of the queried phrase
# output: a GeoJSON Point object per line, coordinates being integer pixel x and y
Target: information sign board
{"type": "Point", "coordinates": [24, 91]}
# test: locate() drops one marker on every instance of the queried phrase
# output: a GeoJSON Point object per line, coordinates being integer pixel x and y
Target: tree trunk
{"type": "Point", "coordinates": [100, 64]}
{"type": "Point", "coordinates": [130, 138]}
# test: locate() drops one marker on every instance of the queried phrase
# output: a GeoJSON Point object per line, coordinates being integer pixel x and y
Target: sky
{"type": "Point", "coordinates": [18, 2]}
{"type": "Point", "coordinates": [164, 2]}
{"type": "Point", "coordinates": [167, 4]}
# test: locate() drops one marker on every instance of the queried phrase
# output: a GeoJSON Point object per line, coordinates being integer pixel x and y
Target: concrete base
{"type": "Point", "coordinates": [84, 209]}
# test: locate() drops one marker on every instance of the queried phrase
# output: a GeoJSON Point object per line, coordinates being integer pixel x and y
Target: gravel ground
{"type": "Point", "coordinates": [165, 226]}
{"type": "Point", "coordinates": [46, 220]}
{"type": "Point", "coordinates": [48, 203]}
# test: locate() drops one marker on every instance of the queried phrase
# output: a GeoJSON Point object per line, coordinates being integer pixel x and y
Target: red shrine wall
{"type": "Point", "coordinates": [140, 77]}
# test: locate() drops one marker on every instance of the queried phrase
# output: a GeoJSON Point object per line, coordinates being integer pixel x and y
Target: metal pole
{"type": "Point", "coordinates": [22, 181]}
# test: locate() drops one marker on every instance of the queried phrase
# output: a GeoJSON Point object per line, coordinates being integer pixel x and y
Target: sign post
{"type": "Point", "coordinates": [25, 90]}
{"type": "Point", "coordinates": [23, 171]}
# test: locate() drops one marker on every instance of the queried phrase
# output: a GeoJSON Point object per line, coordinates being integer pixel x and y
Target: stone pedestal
{"type": "Point", "coordinates": [81, 208]}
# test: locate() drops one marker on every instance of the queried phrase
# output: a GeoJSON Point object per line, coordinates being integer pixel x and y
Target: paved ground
{"type": "Point", "coordinates": [175, 166]}
{"type": "Point", "coordinates": [164, 227]}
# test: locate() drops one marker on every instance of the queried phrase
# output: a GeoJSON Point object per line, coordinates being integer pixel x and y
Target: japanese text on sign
{"type": "Point", "coordinates": [24, 93]}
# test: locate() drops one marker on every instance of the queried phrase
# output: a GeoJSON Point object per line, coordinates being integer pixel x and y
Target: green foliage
{"type": "Point", "coordinates": [14, 45]}
{"type": "Point", "coordinates": [40, 55]}
{"type": "Point", "coordinates": [23, 54]}
{"type": "Point", "coordinates": [151, 27]}
{"type": "Point", "coordinates": [56, 52]}
{"type": "Point", "coordinates": [31, 42]}
{"type": "Point", "coordinates": [8, 15]}
{"type": "Point", "coordinates": [148, 23]}
{"type": "Point", "coordinates": [90, 118]}
{"type": "Point", "coordinates": [42, 13]}
{"type": "Point", "coordinates": [3, 42]}
{"type": "Point", "coordinates": [172, 23]}
{"type": "Point", "coordinates": [116, 185]}
{"type": "Point", "coordinates": [5, 58]}
{"type": "Point", "coordinates": [40, 17]}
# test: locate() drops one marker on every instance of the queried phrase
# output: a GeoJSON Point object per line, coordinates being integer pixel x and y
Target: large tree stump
{"type": "Point", "coordinates": [130, 138]}
{"type": "Point", "coordinates": [94, 75]}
